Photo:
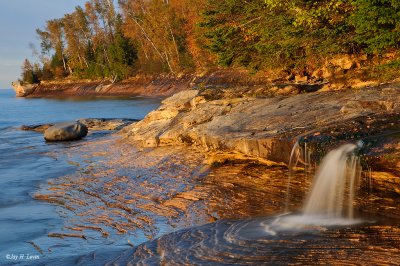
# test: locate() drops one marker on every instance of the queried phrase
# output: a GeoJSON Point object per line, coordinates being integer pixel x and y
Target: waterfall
{"type": "Point", "coordinates": [335, 184]}
{"type": "Point", "coordinates": [331, 198]}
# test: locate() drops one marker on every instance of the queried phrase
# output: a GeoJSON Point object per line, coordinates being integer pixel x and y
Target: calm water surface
{"type": "Point", "coordinates": [25, 164]}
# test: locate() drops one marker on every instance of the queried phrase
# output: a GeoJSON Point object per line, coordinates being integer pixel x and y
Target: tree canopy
{"type": "Point", "coordinates": [101, 40]}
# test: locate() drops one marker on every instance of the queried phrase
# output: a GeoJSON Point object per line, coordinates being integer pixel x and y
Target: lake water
{"type": "Point", "coordinates": [25, 163]}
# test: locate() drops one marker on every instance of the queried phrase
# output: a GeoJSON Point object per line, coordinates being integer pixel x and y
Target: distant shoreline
{"type": "Point", "coordinates": [165, 85]}
{"type": "Point", "coordinates": [160, 85]}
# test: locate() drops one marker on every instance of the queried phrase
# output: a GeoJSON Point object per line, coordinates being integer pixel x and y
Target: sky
{"type": "Point", "coordinates": [19, 20]}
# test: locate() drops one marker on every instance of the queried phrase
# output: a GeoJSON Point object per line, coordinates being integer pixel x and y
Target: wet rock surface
{"type": "Point", "coordinates": [245, 242]}
{"type": "Point", "coordinates": [41, 128]}
{"type": "Point", "coordinates": [195, 181]}
{"type": "Point", "coordinates": [107, 123]}
{"type": "Point", "coordinates": [123, 196]}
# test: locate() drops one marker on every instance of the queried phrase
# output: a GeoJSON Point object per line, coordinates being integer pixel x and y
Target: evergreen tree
{"type": "Point", "coordinates": [28, 74]}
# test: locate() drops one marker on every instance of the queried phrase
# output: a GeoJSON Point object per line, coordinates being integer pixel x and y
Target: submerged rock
{"type": "Point", "coordinates": [66, 131]}
{"type": "Point", "coordinates": [37, 128]}
{"type": "Point", "coordinates": [91, 123]}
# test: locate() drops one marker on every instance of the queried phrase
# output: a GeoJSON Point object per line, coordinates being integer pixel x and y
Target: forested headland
{"type": "Point", "coordinates": [112, 40]}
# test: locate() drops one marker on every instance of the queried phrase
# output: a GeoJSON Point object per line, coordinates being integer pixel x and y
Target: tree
{"type": "Point", "coordinates": [56, 36]}
{"type": "Point", "coordinates": [28, 74]}
{"type": "Point", "coordinates": [377, 24]}
{"type": "Point", "coordinates": [161, 29]}
{"type": "Point", "coordinates": [264, 34]}
{"type": "Point", "coordinates": [174, 36]}
{"type": "Point", "coordinates": [123, 54]}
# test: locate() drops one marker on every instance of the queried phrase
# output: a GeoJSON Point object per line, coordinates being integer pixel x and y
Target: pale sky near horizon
{"type": "Point", "coordinates": [18, 22]}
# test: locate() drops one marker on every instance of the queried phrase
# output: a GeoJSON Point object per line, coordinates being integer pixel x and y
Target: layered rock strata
{"type": "Point", "coordinates": [266, 127]}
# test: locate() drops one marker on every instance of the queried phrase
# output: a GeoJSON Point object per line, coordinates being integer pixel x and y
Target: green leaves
{"type": "Point", "coordinates": [376, 24]}
{"type": "Point", "coordinates": [263, 33]}
{"type": "Point", "coordinates": [88, 43]}
{"type": "Point", "coordinates": [176, 36]}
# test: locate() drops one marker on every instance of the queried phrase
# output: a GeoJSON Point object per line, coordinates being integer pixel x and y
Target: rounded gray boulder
{"type": "Point", "coordinates": [66, 131]}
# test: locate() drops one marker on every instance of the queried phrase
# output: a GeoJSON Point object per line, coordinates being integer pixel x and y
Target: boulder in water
{"type": "Point", "coordinates": [66, 131]}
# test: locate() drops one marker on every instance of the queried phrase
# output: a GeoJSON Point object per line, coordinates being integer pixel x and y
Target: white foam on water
{"type": "Point", "coordinates": [292, 223]}
{"type": "Point", "coordinates": [330, 202]}
{"type": "Point", "coordinates": [335, 184]}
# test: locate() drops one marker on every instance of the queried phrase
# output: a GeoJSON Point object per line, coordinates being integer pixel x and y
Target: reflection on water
{"type": "Point", "coordinates": [122, 198]}
{"type": "Point", "coordinates": [246, 242]}
{"type": "Point", "coordinates": [27, 162]}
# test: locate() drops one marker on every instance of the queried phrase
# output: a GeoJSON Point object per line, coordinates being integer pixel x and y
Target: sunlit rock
{"type": "Point", "coordinates": [23, 90]}
{"type": "Point", "coordinates": [266, 126]}
{"type": "Point", "coordinates": [66, 131]}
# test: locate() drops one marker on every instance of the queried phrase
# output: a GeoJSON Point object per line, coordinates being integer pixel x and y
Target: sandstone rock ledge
{"type": "Point", "coordinates": [267, 127]}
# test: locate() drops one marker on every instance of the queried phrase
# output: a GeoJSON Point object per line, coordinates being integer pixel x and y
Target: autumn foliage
{"type": "Point", "coordinates": [106, 40]}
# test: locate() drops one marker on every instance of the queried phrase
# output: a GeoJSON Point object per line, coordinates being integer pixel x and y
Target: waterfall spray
{"type": "Point", "coordinates": [335, 184]}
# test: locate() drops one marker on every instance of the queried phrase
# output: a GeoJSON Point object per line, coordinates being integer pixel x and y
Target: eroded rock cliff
{"type": "Point", "coordinates": [23, 90]}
